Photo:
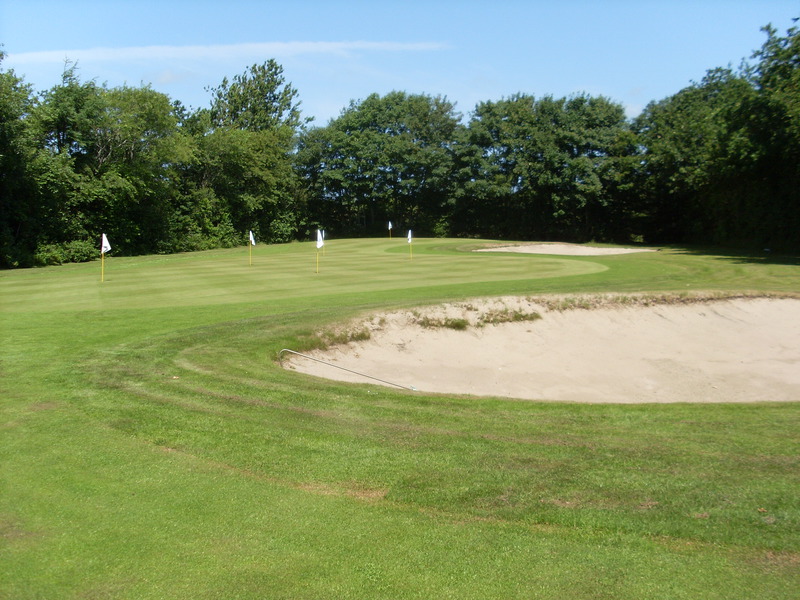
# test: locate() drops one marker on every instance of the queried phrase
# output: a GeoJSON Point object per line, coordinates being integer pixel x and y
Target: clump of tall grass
{"type": "Point", "coordinates": [477, 314]}
{"type": "Point", "coordinates": [322, 340]}
{"type": "Point", "coordinates": [428, 322]}
{"type": "Point", "coordinates": [507, 315]}
{"type": "Point", "coordinates": [594, 301]}
{"type": "Point", "coordinates": [475, 317]}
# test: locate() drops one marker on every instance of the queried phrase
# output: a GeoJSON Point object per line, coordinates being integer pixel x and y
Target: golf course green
{"type": "Point", "coordinates": [151, 446]}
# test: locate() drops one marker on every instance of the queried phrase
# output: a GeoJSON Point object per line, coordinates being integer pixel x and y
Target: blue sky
{"type": "Point", "coordinates": [632, 51]}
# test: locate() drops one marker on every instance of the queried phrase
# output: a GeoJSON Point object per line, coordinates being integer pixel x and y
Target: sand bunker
{"type": "Point", "coordinates": [563, 249]}
{"type": "Point", "coordinates": [733, 350]}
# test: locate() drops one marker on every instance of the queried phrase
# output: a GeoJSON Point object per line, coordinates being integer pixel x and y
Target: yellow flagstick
{"type": "Point", "coordinates": [320, 244]}
{"type": "Point", "coordinates": [251, 243]}
{"type": "Point", "coordinates": [410, 246]}
{"type": "Point", "coordinates": [104, 247]}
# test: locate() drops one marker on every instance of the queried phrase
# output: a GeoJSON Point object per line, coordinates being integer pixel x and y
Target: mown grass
{"type": "Point", "coordinates": [152, 447]}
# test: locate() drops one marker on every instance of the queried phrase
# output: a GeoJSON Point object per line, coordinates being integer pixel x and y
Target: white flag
{"type": "Point", "coordinates": [104, 245]}
{"type": "Point", "coordinates": [409, 236]}
{"type": "Point", "coordinates": [252, 239]}
{"type": "Point", "coordinates": [390, 225]}
{"type": "Point", "coordinates": [320, 240]}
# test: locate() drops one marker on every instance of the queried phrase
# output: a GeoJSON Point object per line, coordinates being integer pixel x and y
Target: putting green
{"type": "Point", "coordinates": [278, 272]}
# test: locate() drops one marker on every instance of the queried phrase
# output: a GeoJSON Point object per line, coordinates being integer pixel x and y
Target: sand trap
{"type": "Point", "coordinates": [735, 350]}
{"type": "Point", "coordinates": [563, 249]}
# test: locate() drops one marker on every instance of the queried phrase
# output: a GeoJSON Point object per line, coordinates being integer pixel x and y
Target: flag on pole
{"type": "Point", "coordinates": [320, 244]}
{"type": "Point", "coordinates": [410, 247]}
{"type": "Point", "coordinates": [409, 236]}
{"type": "Point", "coordinates": [390, 229]}
{"type": "Point", "coordinates": [250, 247]}
{"type": "Point", "coordinates": [104, 247]}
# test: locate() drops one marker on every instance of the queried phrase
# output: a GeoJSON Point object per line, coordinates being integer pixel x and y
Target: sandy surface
{"type": "Point", "coordinates": [736, 350]}
{"type": "Point", "coordinates": [563, 249]}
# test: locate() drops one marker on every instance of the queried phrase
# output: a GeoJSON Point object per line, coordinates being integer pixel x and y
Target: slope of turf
{"type": "Point", "coordinates": [151, 446]}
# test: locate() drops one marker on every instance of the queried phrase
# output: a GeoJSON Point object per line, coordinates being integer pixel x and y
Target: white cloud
{"type": "Point", "coordinates": [220, 51]}
{"type": "Point", "coordinates": [169, 76]}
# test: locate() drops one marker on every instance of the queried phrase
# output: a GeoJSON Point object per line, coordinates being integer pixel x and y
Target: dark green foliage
{"type": "Point", "coordinates": [681, 136]}
{"type": "Point", "coordinates": [717, 162]}
{"type": "Point", "coordinates": [257, 100]}
{"type": "Point", "coordinates": [68, 252]}
{"type": "Point", "coordinates": [383, 159]}
{"type": "Point", "coordinates": [18, 200]}
{"type": "Point", "coordinates": [721, 156]}
{"type": "Point", "coordinates": [86, 160]}
{"type": "Point", "coordinates": [242, 162]}
{"type": "Point", "coordinates": [542, 169]}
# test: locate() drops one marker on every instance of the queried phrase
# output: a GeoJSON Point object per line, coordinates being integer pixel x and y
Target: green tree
{"type": "Point", "coordinates": [68, 115]}
{"type": "Point", "coordinates": [259, 99]}
{"type": "Point", "coordinates": [137, 147]}
{"type": "Point", "coordinates": [720, 160]}
{"type": "Point", "coordinates": [250, 173]}
{"type": "Point", "coordinates": [18, 199]}
{"type": "Point", "coordinates": [109, 153]}
{"type": "Point", "coordinates": [384, 158]}
{"type": "Point", "coordinates": [241, 175]}
{"type": "Point", "coordinates": [682, 138]}
{"type": "Point", "coordinates": [543, 168]}
{"type": "Point", "coordinates": [63, 125]}
{"type": "Point", "coordinates": [766, 146]}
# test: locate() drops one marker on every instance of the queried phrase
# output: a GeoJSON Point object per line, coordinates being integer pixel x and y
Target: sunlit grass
{"type": "Point", "coordinates": [152, 446]}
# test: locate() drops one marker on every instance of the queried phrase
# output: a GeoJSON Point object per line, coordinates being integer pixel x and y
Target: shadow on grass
{"type": "Point", "coordinates": [740, 255]}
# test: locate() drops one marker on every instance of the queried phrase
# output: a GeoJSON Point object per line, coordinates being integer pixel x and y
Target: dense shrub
{"type": "Point", "coordinates": [57, 254]}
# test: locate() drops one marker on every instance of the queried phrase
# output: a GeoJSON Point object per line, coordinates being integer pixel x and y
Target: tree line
{"type": "Point", "coordinates": [716, 163]}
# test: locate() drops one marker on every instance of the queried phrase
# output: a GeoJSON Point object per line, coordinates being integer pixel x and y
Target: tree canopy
{"type": "Point", "coordinates": [716, 162]}
{"type": "Point", "coordinates": [385, 158]}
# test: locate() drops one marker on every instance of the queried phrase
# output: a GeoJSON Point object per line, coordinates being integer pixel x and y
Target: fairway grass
{"type": "Point", "coordinates": [152, 447]}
